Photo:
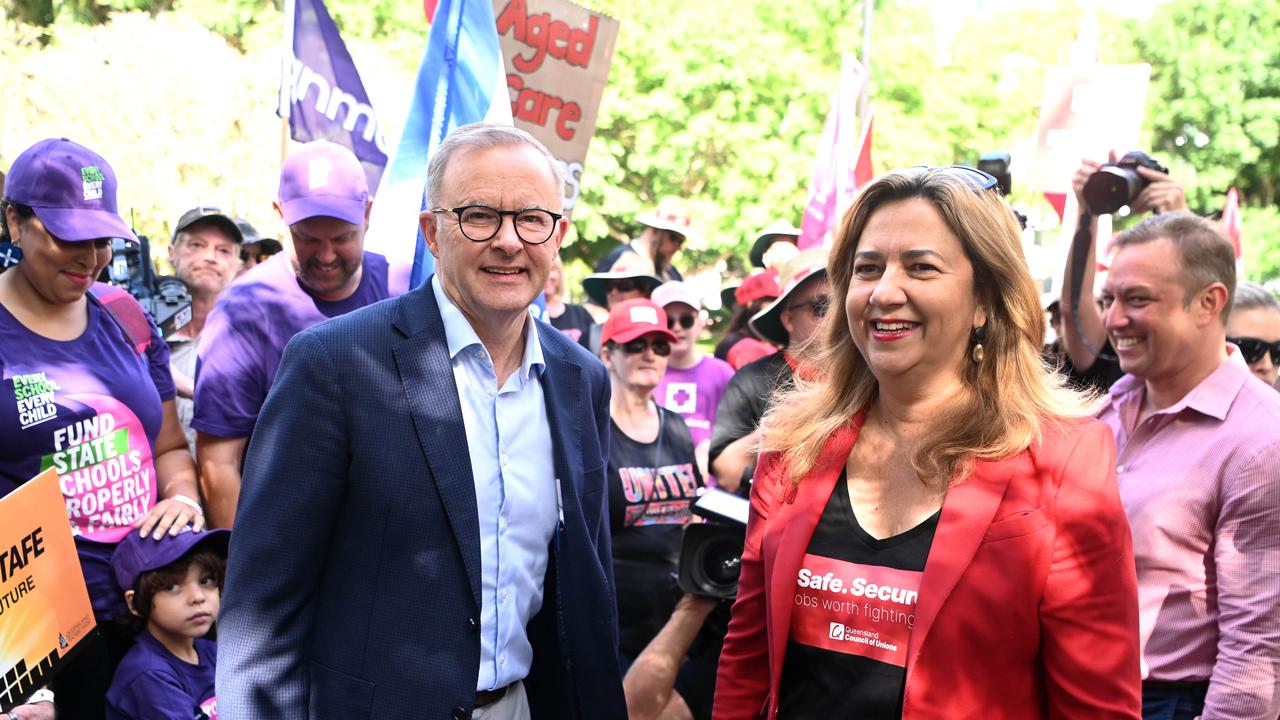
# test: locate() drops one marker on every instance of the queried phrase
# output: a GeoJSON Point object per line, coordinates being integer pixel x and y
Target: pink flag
{"type": "Point", "coordinates": [1231, 220]}
{"type": "Point", "coordinates": [843, 164]}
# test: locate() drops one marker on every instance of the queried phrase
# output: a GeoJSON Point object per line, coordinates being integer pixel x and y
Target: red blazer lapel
{"type": "Point", "coordinates": [792, 529]}
{"type": "Point", "coordinates": [967, 512]}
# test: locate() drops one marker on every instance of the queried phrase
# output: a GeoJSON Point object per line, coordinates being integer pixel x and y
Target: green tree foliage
{"type": "Point", "coordinates": [1215, 94]}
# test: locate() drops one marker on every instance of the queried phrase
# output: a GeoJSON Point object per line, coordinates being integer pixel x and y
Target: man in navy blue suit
{"type": "Point", "coordinates": [422, 528]}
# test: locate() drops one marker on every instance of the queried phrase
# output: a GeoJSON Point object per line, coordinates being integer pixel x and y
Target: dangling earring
{"type": "Point", "coordinates": [977, 337]}
{"type": "Point", "coordinates": [10, 255]}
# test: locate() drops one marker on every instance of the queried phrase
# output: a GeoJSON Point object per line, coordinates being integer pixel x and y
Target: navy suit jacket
{"type": "Point", "coordinates": [353, 583]}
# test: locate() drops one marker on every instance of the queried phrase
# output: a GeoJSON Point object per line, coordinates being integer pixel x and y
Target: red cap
{"type": "Point", "coordinates": [635, 318]}
{"type": "Point", "coordinates": [763, 284]}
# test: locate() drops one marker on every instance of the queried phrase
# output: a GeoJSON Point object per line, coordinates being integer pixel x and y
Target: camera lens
{"type": "Point", "coordinates": [719, 561]}
{"type": "Point", "coordinates": [1111, 188]}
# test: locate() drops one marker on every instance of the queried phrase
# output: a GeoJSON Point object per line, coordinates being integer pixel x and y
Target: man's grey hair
{"type": "Point", "coordinates": [1252, 296]}
{"type": "Point", "coordinates": [483, 136]}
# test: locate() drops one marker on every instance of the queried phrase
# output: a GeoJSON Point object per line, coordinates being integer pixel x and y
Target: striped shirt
{"type": "Point", "coordinates": [1200, 481]}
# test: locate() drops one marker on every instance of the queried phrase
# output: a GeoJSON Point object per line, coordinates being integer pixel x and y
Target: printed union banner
{"type": "Point", "coordinates": [557, 56]}
{"type": "Point", "coordinates": [44, 606]}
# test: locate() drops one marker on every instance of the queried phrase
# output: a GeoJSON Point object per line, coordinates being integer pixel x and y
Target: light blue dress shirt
{"type": "Point", "coordinates": [509, 441]}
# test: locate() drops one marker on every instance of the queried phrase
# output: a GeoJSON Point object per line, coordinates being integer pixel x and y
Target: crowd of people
{"type": "Point", "coordinates": [334, 495]}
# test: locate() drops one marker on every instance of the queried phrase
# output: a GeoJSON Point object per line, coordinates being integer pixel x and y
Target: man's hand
{"type": "Point", "coordinates": [1083, 173]}
{"type": "Point", "coordinates": [1163, 194]}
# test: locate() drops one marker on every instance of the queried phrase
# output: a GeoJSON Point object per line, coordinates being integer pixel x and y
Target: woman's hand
{"type": "Point", "coordinates": [171, 515]}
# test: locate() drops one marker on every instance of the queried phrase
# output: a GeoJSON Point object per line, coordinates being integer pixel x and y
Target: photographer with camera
{"type": "Point", "coordinates": [205, 254]}
{"type": "Point", "coordinates": [1100, 189]}
{"type": "Point", "coordinates": [86, 385]}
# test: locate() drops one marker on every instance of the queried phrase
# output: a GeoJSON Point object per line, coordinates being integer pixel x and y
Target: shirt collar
{"type": "Point", "coordinates": [1212, 397]}
{"type": "Point", "coordinates": [459, 335]}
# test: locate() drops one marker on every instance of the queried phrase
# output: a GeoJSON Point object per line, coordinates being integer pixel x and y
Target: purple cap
{"type": "Point", "coordinates": [71, 188]}
{"type": "Point", "coordinates": [323, 179]}
{"type": "Point", "coordinates": [137, 554]}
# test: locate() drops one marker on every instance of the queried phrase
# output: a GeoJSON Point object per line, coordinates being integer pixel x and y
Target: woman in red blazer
{"type": "Point", "coordinates": [935, 528]}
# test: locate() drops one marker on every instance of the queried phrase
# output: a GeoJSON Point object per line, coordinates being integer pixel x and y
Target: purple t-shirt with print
{"type": "Point", "coordinates": [695, 393]}
{"type": "Point", "coordinates": [91, 409]}
{"type": "Point", "coordinates": [245, 334]}
{"type": "Point", "coordinates": [152, 683]}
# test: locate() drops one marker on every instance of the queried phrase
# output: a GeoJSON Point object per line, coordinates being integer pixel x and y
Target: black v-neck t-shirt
{"type": "Point", "coordinates": [853, 612]}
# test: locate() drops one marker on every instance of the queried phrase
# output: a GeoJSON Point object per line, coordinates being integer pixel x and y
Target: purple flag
{"type": "Point", "coordinates": [321, 92]}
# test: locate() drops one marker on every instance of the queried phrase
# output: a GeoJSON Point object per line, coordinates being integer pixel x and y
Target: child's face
{"type": "Point", "coordinates": [186, 609]}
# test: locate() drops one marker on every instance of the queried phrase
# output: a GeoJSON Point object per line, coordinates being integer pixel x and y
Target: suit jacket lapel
{"type": "Point", "coordinates": [967, 512]}
{"type": "Point", "coordinates": [422, 359]}
{"type": "Point", "coordinates": [560, 388]}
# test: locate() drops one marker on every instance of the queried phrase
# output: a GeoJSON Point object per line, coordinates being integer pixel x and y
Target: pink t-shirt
{"type": "Point", "coordinates": [695, 393]}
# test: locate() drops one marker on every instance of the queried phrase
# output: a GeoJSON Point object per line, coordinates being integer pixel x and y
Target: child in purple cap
{"type": "Point", "coordinates": [173, 585]}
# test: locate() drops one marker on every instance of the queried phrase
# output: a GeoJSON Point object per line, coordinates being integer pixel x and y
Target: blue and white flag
{"type": "Point", "coordinates": [316, 59]}
{"type": "Point", "coordinates": [460, 81]}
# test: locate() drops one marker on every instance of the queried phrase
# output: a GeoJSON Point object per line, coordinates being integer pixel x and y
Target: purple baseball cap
{"type": "Point", "coordinates": [323, 179]}
{"type": "Point", "coordinates": [71, 188]}
{"type": "Point", "coordinates": [137, 554]}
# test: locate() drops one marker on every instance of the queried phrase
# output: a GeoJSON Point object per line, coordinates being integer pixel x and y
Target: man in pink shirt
{"type": "Point", "coordinates": [1198, 463]}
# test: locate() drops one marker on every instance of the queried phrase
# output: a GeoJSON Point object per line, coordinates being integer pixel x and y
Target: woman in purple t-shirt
{"type": "Point", "coordinates": [85, 388]}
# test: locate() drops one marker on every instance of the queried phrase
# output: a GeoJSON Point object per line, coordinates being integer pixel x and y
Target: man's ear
{"type": "Point", "coordinates": [1212, 303]}
{"type": "Point", "coordinates": [430, 232]}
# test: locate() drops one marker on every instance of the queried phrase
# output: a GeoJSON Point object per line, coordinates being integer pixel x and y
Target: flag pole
{"type": "Point", "coordinates": [864, 98]}
{"type": "Point", "coordinates": [286, 76]}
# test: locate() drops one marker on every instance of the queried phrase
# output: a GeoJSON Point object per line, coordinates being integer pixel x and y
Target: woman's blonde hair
{"type": "Point", "coordinates": [1005, 398]}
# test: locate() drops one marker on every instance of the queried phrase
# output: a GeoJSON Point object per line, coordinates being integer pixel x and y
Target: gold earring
{"type": "Point", "coordinates": [977, 336]}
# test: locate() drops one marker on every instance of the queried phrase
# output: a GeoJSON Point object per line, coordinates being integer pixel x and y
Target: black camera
{"type": "Point", "coordinates": [1118, 184]}
{"type": "Point", "coordinates": [711, 554]}
{"type": "Point", "coordinates": [164, 296]}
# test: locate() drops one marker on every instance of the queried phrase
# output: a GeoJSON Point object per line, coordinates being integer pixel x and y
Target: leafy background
{"type": "Point", "coordinates": [720, 102]}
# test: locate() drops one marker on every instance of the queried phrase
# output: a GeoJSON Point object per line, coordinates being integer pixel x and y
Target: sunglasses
{"type": "Point", "coordinates": [684, 321]}
{"type": "Point", "coordinates": [1254, 349]}
{"type": "Point", "coordinates": [972, 177]}
{"type": "Point", "coordinates": [818, 306]}
{"type": "Point", "coordinates": [622, 286]}
{"type": "Point", "coordinates": [660, 347]}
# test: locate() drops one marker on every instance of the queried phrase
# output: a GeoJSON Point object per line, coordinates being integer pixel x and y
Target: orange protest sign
{"type": "Point", "coordinates": [44, 606]}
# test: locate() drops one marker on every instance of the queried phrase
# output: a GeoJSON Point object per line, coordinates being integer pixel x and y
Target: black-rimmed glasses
{"type": "Point", "coordinates": [970, 176]}
{"type": "Point", "coordinates": [1254, 349]}
{"type": "Point", "coordinates": [480, 223]}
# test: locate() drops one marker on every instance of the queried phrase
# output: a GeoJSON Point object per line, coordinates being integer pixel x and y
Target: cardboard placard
{"type": "Point", "coordinates": [557, 56]}
{"type": "Point", "coordinates": [44, 605]}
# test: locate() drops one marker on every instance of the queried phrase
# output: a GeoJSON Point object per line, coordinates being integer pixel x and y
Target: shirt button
{"type": "Point", "coordinates": [473, 624]}
{"type": "Point", "coordinates": [504, 594]}
{"type": "Point", "coordinates": [503, 659]}
{"type": "Point", "coordinates": [505, 459]}
{"type": "Point", "coordinates": [1119, 469]}
{"type": "Point", "coordinates": [502, 529]}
